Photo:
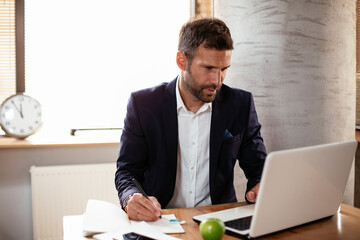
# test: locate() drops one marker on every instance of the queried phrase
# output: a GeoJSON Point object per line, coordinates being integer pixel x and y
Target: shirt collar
{"type": "Point", "coordinates": [180, 102]}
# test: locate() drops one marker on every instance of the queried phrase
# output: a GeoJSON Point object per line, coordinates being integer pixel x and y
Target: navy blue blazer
{"type": "Point", "coordinates": [149, 143]}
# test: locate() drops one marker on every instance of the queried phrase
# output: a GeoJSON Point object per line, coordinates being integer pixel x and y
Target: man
{"type": "Point", "coordinates": [181, 139]}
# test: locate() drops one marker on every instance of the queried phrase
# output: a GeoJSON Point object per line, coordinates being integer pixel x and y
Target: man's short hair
{"type": "Point", "coordinates": [211, 32]}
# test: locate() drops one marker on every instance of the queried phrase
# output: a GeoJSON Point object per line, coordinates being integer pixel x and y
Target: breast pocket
{"type": "Point", "coordinates": [229, 150]}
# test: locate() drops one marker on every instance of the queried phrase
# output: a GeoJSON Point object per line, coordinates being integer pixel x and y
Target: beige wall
{"type": "Point", "coordinates": [15, 185]}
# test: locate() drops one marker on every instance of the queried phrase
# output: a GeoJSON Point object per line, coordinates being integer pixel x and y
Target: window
{"type": "Point", "coordinates": [7, 49]}
{"type": "Point", "coordinates": [84, 57]}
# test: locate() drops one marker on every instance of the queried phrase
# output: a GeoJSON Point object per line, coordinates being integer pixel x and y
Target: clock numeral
{"type": "Point", "coordinates": [22, 130]}
{"type": "Point", "coordinates": [31, 128]}
{"type": "Point", "coordinates": [7, 123]}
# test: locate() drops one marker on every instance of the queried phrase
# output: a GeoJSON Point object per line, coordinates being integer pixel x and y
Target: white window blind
{"type": "Point", "coordinates": [84, 57]}
{"type": "Point", "coordinates": [7, 49]}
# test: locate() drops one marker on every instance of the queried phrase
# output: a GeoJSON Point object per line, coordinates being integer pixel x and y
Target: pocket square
{"type": "Point", "coordinates": [227, 135]}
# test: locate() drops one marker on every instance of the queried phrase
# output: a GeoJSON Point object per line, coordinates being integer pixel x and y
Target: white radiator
{"type": "Point", "coordinates": [58, 191]}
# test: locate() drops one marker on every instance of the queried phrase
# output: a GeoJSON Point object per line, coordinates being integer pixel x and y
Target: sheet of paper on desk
{"type": "Point", "coordinates": [163, 225]}
{"type": "Point", "coordinates": [70, 232]}
{"type": "Point", "coordinates": [101, 216]}
{"type": "Point", "coordinates": [142, 228]}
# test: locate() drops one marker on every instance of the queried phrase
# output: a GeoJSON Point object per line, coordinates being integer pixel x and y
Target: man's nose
{"type": "Point", "coordinates": [219, 76]}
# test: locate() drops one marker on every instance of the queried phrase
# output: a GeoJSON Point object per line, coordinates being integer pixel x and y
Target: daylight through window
{"type": "Point", "coordinates": [84, 57]}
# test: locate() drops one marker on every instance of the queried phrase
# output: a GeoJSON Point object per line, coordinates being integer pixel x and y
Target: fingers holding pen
{"type": "Point", "coordinates": [140, 208]}
{"type": "Point", "coordinates": [155, 202]}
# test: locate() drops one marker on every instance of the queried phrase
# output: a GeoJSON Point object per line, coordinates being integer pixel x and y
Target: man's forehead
{"type": "Point", "coordinates": [213, 56]}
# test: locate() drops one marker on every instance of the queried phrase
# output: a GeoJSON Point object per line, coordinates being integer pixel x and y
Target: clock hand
{"type": "Point", "coordinates": [18, 108]}
{"type": "Point", "coordinates": [21, 112]}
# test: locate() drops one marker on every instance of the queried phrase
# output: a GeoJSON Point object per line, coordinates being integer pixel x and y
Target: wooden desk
{"type": "Point", "coordinates": [345, 225]}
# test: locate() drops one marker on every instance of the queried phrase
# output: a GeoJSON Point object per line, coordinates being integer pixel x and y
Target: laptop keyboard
{"type": "Point", "coordinates": [239, 223]}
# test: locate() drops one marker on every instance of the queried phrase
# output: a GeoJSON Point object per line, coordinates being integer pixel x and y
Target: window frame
{"type": "Point", "coordinates": [20, 46]}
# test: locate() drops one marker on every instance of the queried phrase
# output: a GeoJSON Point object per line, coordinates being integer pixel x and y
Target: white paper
{"type": "Point", "coordinates": [164, 225]}
{"type": "Point", "coordinates": [71, 232]}
{"type": "Point", "coordinates": [141, 228]}
{"type": "Point", "coordinates": [101, 217]}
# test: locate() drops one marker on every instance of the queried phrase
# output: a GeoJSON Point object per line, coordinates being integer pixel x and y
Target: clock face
{"type": "Point", "coordinates": [20, 116]}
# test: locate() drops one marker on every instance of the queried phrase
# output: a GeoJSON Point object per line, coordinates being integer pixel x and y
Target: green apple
{"type": "Point", "coordinates": [212, 229]}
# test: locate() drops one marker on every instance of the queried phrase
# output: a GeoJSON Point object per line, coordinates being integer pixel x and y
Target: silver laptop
{"type": "Point", "coordinates": [297, 186]}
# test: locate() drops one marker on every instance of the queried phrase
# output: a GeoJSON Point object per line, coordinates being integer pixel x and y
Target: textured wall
{"type": "Point", "coordinates": [298, 59]}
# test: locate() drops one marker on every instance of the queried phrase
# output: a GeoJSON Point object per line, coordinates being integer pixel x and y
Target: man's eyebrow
{"type": "Point", "coordinates": [224, 68]}
{"type": "Point", "coordinates": [211, 66]}
{"type": "Point", "coordinates": [208, 66]}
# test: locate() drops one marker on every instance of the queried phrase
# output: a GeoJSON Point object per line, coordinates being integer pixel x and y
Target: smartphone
{"type": "Point", "coordinates": [135, 236]}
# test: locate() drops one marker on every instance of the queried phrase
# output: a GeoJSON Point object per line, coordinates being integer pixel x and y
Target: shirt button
{"type": "Point", "coordinates": [190, 192]}
{"type": "Point", "coordinates": [192, 168]}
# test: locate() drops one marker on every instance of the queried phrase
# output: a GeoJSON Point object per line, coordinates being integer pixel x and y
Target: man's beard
{"type": "Point", "coordinates": [197, 90]}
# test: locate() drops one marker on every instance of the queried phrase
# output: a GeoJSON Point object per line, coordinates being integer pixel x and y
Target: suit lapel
{"type": "Point", "coordinates": [169, 119]}
{"type": "Point", "coordinates": [218, 126]}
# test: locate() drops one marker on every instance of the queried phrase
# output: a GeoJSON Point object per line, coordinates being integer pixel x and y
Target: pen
{"type": "Point", "coordinates": [140, 188]}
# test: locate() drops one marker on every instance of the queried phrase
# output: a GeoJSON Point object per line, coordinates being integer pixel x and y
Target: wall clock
{"type": "Point", "coordinates": [20, 116]}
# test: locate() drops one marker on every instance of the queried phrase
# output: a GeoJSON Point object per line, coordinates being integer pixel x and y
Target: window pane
{"type": "Point", "coordinates": [7, 49]}
{"type": "Point", "coordinates": [84, 57]}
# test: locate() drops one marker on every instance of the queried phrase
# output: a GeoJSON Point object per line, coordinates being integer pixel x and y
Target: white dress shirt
{"type": "Point", "coordinates": [192, 177]}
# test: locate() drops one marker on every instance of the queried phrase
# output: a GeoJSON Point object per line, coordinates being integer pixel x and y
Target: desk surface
{"type": "Point", "coordinates": [344, 225]}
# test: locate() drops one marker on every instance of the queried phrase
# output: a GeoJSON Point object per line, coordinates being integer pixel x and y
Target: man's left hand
{"type": "Point", "coordinates": [252, 194]}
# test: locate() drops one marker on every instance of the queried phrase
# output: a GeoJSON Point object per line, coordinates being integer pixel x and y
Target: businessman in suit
{"type": "Point", "coordinates": [181, 139]}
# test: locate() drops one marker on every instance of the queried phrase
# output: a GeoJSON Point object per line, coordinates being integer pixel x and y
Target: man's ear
{"type": "Point", "coordinates": [181, 60]}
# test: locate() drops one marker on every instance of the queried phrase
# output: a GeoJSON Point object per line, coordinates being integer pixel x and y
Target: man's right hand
{"type": "Point", "coordinates": [140, 208]}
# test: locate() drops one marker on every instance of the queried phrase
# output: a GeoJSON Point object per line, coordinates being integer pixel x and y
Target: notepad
{"type": "Point", "coordinates": [101, 216]}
